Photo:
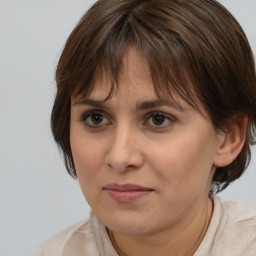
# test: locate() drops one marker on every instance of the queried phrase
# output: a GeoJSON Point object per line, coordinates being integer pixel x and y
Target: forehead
{"type": "Point", "coordinates": [135, 88]}
{"type": "Point", "coordinates": [135, 84]}
{"type": "Point", "coordinates": [134, 79]}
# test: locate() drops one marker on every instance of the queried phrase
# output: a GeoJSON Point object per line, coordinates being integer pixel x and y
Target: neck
{"type": "Point", "coordinates": [183, 239]}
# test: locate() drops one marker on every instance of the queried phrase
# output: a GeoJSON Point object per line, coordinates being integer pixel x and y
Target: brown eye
{"type": "Point", "coordinates": [158, 119]}
{"type": "Point", "coordinates": [95, 119]}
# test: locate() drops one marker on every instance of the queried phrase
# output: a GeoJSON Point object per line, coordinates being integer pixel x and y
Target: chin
{"type": "Point", "coordinates": [128, 229]}
{"type": "Point", "coordinates": [128, 224]}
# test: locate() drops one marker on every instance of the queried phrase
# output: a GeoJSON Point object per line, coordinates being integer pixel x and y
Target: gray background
{"type": "Point", "coordinates": [37, 197]}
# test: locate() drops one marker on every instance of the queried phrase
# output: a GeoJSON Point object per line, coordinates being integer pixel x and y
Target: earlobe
{"type": "Point", "coordinates": [231, 141]}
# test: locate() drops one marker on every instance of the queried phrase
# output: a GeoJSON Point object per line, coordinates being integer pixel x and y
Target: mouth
{"type": "Point", "coordinates": [127, 193]}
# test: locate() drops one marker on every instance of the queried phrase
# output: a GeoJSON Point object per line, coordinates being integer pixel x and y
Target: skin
{"type": "Point", "coordinates": [175, 157]}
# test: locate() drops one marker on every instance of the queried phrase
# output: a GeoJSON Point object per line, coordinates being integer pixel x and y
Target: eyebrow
{"type": "Point", "coordinates": [144, 105]}
{"type": "Point", "coordinates": [92, 102]}
{"type": "Point", "coordinates": [158, 103]}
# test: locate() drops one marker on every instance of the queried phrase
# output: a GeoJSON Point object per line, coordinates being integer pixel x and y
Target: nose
{"type": "Point", "coordinates": [124, 152]}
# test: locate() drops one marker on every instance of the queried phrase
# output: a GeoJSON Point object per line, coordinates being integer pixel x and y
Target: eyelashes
{"type": "Point", "coordinates": [95, 119]}
{"type": "Point", "coordinates": [159, 120]}
{"type": "Point", "coordinates": [98, 119]}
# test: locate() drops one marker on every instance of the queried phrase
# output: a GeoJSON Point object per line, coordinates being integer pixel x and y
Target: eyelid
{"type": "Point", "coordinates": [154, 113]}
{"type": "Point", "coordinates": [90, 113]}
{"type": "Point", "coordinates": [93, 111]}
{"type": "Point", "coordinates": [146, 122]}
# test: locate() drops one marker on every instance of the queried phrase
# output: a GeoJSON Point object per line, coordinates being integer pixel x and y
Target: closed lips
{"type": "Point", "coordinates": [126, 187]}
{"type": "Point", "coordinates": [127, 193]}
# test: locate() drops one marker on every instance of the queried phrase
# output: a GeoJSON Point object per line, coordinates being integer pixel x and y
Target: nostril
{"type": "Point", "coordinates": [123, 154]}
{"type": "Point", "coordinates": [133, 163]}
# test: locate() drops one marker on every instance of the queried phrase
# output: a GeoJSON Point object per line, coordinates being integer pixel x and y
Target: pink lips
{"type": "Point", "coordinates": [126, 193]}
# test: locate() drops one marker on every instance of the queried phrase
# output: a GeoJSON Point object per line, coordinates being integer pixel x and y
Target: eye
{"type": "Point", "coordinates": [159, 120]}
{"type": "Point", "coordinates": [95, 119]}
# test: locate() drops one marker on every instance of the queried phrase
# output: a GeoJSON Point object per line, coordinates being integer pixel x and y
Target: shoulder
{"type": "Point", "coordinates": [237, 228]}
{"type": "Point", "coordinates": [232, 230]}
{"type": "Point", "coordinates": [240, 213]}
{"type": "Point", "coordinates": [75, 240]}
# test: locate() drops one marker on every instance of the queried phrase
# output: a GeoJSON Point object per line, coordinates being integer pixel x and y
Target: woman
{"type": "Point", "coordinates": [154, 113]}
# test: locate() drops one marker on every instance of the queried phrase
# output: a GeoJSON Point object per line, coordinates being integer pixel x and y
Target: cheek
{"type": "Point", "coordinates": [88, 159]}
{"type": "Point", "coordinates": [88, 156]}
{"type": "Point", "coordinates": [183, 165]}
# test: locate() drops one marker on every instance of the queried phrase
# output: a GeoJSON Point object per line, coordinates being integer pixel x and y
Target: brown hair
{"type": "Point", "coordinates": [192, 47]}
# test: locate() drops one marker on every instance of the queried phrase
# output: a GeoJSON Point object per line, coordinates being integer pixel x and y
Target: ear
{"type": "Point", "coordinates": [231, 141]}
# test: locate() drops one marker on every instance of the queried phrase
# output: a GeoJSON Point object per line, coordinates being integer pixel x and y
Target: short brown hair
{"type": "Point", "coordinates": [195, 48]}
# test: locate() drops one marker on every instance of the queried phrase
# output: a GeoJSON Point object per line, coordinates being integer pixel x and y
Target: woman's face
{"type": "Point", "coordinates": [143, 164]}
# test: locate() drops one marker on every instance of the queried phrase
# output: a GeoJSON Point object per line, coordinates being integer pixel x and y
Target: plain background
{"type": "Point", "coordinates": [37, 196]}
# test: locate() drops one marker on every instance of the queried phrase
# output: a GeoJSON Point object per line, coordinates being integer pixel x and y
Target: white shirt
{"type": "Point", "coordinates": [232, 232]}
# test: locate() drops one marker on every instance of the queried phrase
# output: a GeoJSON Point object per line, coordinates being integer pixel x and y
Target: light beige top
{"type": "Point", "coordinates": [232, 231]}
